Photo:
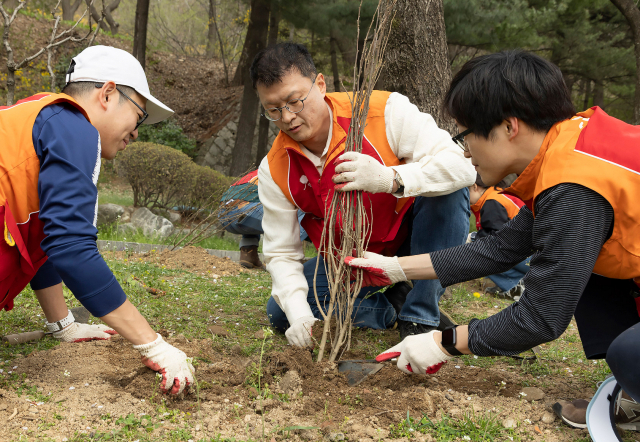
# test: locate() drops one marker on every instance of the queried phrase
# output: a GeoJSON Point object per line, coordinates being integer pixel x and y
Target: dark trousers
{"type": "Point", "coordinates": [608, 323]}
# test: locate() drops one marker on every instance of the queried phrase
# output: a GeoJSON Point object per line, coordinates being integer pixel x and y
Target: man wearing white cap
{"type": "Point", "coordinates": [50, 151]}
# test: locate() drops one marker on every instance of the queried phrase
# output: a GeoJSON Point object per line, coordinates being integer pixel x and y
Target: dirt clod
{"type": "Point", "coordinates": [291, 384]}
{"type": "Point", "coordinates": [509, 423]}
{"type": "Point", "coordinates": [217, 330]}
{"type": "Point", "coordinates": [548, 418]}
{"type": "Point", "coordinates": [533, 394]}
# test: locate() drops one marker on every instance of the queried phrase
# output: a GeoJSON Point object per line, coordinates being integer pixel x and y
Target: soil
{"type": "Point", "coordinates": [100, 378]}
{"type": "Point", "coordinates": [192, 259]}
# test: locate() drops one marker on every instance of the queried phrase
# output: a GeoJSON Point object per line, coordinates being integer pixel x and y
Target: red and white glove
{"type": "Point", "coordinates": [173, 364]}
{"type": "Point", "coordinates": [417, 354]}
{"type": "Point", "coordinates": [362, 172]}
{"type": "Point", "coordinates": [299, 333]}
{"type": "Point", "coordinates": [379, 271]}
{"type": "Point", "coordinates": [77, 332]}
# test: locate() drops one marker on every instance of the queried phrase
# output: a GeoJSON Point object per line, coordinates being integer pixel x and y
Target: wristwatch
{"type": "Point", "coordinates": [53, 327]}
{"type": "Point", "coordinates": [399, 182]}
{"type": "Point", "coordinates": [449, 339]}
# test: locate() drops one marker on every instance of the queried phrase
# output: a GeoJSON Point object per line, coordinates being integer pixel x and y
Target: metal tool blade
{"type": "Point", "coordinates": [358, 370]}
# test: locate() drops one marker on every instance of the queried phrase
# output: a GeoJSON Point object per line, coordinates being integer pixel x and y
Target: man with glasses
{"type": "Point", "coordinates": [50, 151]}
{"type": "Point", "coordinates": [414, 176]}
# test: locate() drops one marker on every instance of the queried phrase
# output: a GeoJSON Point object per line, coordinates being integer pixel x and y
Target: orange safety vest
{"type": "Point", "coordinates": [20, 253]}
{"type": "Point", "coordinates": [511, 203]}
{"type": "Point", "coordinates": [601, 153]}
{"type": "Point", "coordinates": [301, 183]}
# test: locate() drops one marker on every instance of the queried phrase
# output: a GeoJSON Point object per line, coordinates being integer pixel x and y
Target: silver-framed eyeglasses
{"type": "Point", "coordinates": [294, 106]}
{"type": "Point", "coordinates": [459, 140]}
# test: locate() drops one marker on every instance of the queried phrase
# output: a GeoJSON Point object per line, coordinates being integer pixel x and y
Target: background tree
{"type": "Point", "coordinates": [69, 8]}
{"type": "Point", "coordinates": [107, 11]}
{"type": "Point", "coordinates": [416, 59]}
{"type": "Point", "coordinates": [140, 32]}
{"type": "Point", "coordinates": [631, 13]}
{"type": "Point", "coordinates": [254, 42]}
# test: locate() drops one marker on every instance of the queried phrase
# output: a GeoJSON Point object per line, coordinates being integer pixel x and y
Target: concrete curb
{"type": "Point", "coordinates": [135, 247]}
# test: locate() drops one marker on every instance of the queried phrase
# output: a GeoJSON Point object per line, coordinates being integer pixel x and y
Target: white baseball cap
{"type": "Point", "coordinates": [105, 63]}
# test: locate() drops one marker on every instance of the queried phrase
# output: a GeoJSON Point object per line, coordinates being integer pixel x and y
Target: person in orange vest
{"type": "Point", "coordinates": [492, 210]}
{"type": "Point", "coordinates": [414, 177]}
{"type": "Point", "coordinates": [51, 148]}
{"type": "Point", "coordinates": [579, 176]}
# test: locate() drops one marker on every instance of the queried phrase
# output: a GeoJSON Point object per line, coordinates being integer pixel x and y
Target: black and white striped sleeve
{"type": "Point", "coordinates": [572, 222]}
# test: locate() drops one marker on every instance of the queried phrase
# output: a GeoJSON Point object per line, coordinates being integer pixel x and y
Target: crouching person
{"type": "Point", "coordinates": [50, 151]}
{"type": "Point", "coordinates": [579, 175]}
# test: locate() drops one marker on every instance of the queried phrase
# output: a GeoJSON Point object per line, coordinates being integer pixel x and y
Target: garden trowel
{"type": "Point", "coordinates": [357, 371]}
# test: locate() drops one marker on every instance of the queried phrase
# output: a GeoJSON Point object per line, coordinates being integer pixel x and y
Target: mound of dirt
{"type": "Point", "coordinates": [193, 259]}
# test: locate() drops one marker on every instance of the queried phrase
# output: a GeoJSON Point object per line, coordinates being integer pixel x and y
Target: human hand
{"type": "Point", "coordinates": [299, 333]}
{"type": "Point", "coordinates": [78, 332]}
{"type": "Point", "coordinates": [378, 270]}
{"type": "Point", "coordinates": [173, 364]}
{"type": "Point", "coordinates": [417, 354]}
{"type": "Point", "coordinates": [362, 172]}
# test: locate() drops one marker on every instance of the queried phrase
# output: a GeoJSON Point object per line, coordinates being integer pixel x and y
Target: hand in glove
{"type": "Point", "coordinates": [77, 332]}
{"type": "Point", "coordinates": [362, 172]}
{"type": "Point", "coordinates": [379, 271]}
{"type": "Point", "coordinates": [173, 364]}
{"type": "Point", "coordinates": [299, 333]}
{"type": "Point", "coordinates": [417, 354]}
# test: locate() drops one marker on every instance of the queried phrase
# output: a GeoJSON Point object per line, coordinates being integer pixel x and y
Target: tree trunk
{"type": "Point", "coordinates": [334, 65]}
{"type": "Point", "coordinates": [140, 31]}
{"type": "Point", "coordinates": [255, 41]}
{"type": "Point", "coordinates": [69, 8]}
{"type": "Point", "coordinates": [587, 94]}
{"type": "Point", "coordinates": [256, 37]}
{"type": "Point", "coordinates": [211, 29]}
{"type": "Point", "coordinates": [263, 127]}
{"type": "Point", "coordinates": [416, 58]}
{"type": "Point", "coordinates": [632, 14]}
{"type": "Point", "coordinates": [598, 94]}
{"type": "Point", "coordinates": [107, 10]}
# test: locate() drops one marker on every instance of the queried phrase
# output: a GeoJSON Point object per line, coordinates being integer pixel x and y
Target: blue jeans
{"type": "Point", "coordinates": [509, 279]}
{"type": "Point", "coordinates": [436, 223]}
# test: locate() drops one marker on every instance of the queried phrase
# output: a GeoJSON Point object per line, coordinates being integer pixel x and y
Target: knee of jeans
{"type": "Point", "coordinates": [277, 317]}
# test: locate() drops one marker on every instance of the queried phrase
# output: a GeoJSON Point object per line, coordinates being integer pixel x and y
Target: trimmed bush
{"type": "Point", "coordinates": [163, 177]}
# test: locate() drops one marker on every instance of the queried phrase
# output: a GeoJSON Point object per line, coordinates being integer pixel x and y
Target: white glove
{"type": "Point", "coordinates": [77, 332]}
{"type": "Point", "coordinates": [362, 172]}
{"type": "Point", "coordinates": [173, 364]}
{"type": "Point", "coordinates": [417, 354]}
{"type": "Point", "coordinates": [378, 270]}
{"type": "Point", "coordinates": [471, 238]}
{"type": "Point", "coordinates": [299, 333]}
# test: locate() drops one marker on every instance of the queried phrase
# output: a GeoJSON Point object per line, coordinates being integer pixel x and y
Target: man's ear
{"type": "Point", "coordinates": [322, 84]}
{"type": "Point", "coordinates": [512, 127]}
{"type": "Point", "coordinates": [107, 93]}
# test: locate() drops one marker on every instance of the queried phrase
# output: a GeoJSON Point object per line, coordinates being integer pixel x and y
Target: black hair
{"type": "Point", "coordinates": [490, 88]}
{"type": "Point", "coordinates": [79, 89]}
{"type": "Point", "coordinates": [503, 184]}
{"type": "Point", "coordinates": [272, 63]}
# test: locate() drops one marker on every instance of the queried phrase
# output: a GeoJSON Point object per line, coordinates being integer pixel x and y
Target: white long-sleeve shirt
{"type": "Point", "coordinates": [435, 166]}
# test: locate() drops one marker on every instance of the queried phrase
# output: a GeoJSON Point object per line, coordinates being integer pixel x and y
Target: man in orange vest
{"type": "Point", "coordinates": [413, 175]}
{"type": "Point", "coordinates": [51, 146]}
{"type": "Point", "coordinates": [579, 176]}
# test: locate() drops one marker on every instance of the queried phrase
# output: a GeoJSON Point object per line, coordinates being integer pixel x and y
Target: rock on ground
{"type": "Point", "coordinates": [151, 225]}
{"type": "Point", "coordinates": [533, 394]}
{"type": "Point", "coordinates": [109, 213]}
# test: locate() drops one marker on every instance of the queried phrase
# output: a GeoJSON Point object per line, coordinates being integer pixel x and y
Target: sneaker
{"type": "Point", "coordinates": [574, 414]}
{"type": "Point", "coordinates": [397, 295]}
{"type": "Point", "coordinates": [627, 412]}
{"type": "Point", "coordinates": [249, 258]}
{"type": "Point", "coordinates": [408, 328]}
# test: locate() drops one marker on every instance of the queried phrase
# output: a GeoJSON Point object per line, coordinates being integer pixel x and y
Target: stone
{"type": "Point", "coordinates": [533, 394]}
{"type": "Point", "coordinates": [175, 217]}
{"type": "Point", "coordinates": [509, 423]}
{"type": "Point", "coordinates": [151, 224]}
{"type": "Point", "coordinates": [217, 330]}
{"type": "Point", "coordinates": [259, 335]}
{"type": "Point", "coordinates": [226, 134]}
{"type": "Point", "coordinates": [81, 314]}
{"type": "Point", "coordinates": [221, 143]}
{"type": "Point", "coordinates": [127, 228]}
{"type": "Point", "coordinates": [335, 436]}
{"type": "Point", "coordinates": [232, 126]}
{"type": "Point", "coordinates": [548, 418]}
{"type": "Point", "coordinates": [109, 213]}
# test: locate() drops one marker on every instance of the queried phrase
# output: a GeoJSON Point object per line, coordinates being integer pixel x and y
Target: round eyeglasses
{"type": "Point", "coordinates": [294, 106]}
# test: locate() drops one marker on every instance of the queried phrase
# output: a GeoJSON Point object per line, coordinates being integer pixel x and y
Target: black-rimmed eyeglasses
{"type": "Point", "coordinates": [144, 112]}
{"type": "Point", "coordinates": [294, 106]}
{"type": "Point", "coordinates": [459, 140]}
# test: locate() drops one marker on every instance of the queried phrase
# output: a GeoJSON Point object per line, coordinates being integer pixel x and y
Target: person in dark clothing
{"type": "Point", "coordinates": [579, 176]}
{"type": "Point", "coordinates": [492, 210]}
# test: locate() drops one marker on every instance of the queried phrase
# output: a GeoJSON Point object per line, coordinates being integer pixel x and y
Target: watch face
{"type": "Point", "coordinates": [449, 336]}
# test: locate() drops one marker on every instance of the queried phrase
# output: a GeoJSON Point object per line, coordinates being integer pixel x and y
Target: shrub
{"type": "Point", "coordinates": [159, 175]}
{"type": "Point", "coordinates": [162, 177]}
{"type": "Point", "coordinates": [167, 133]}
